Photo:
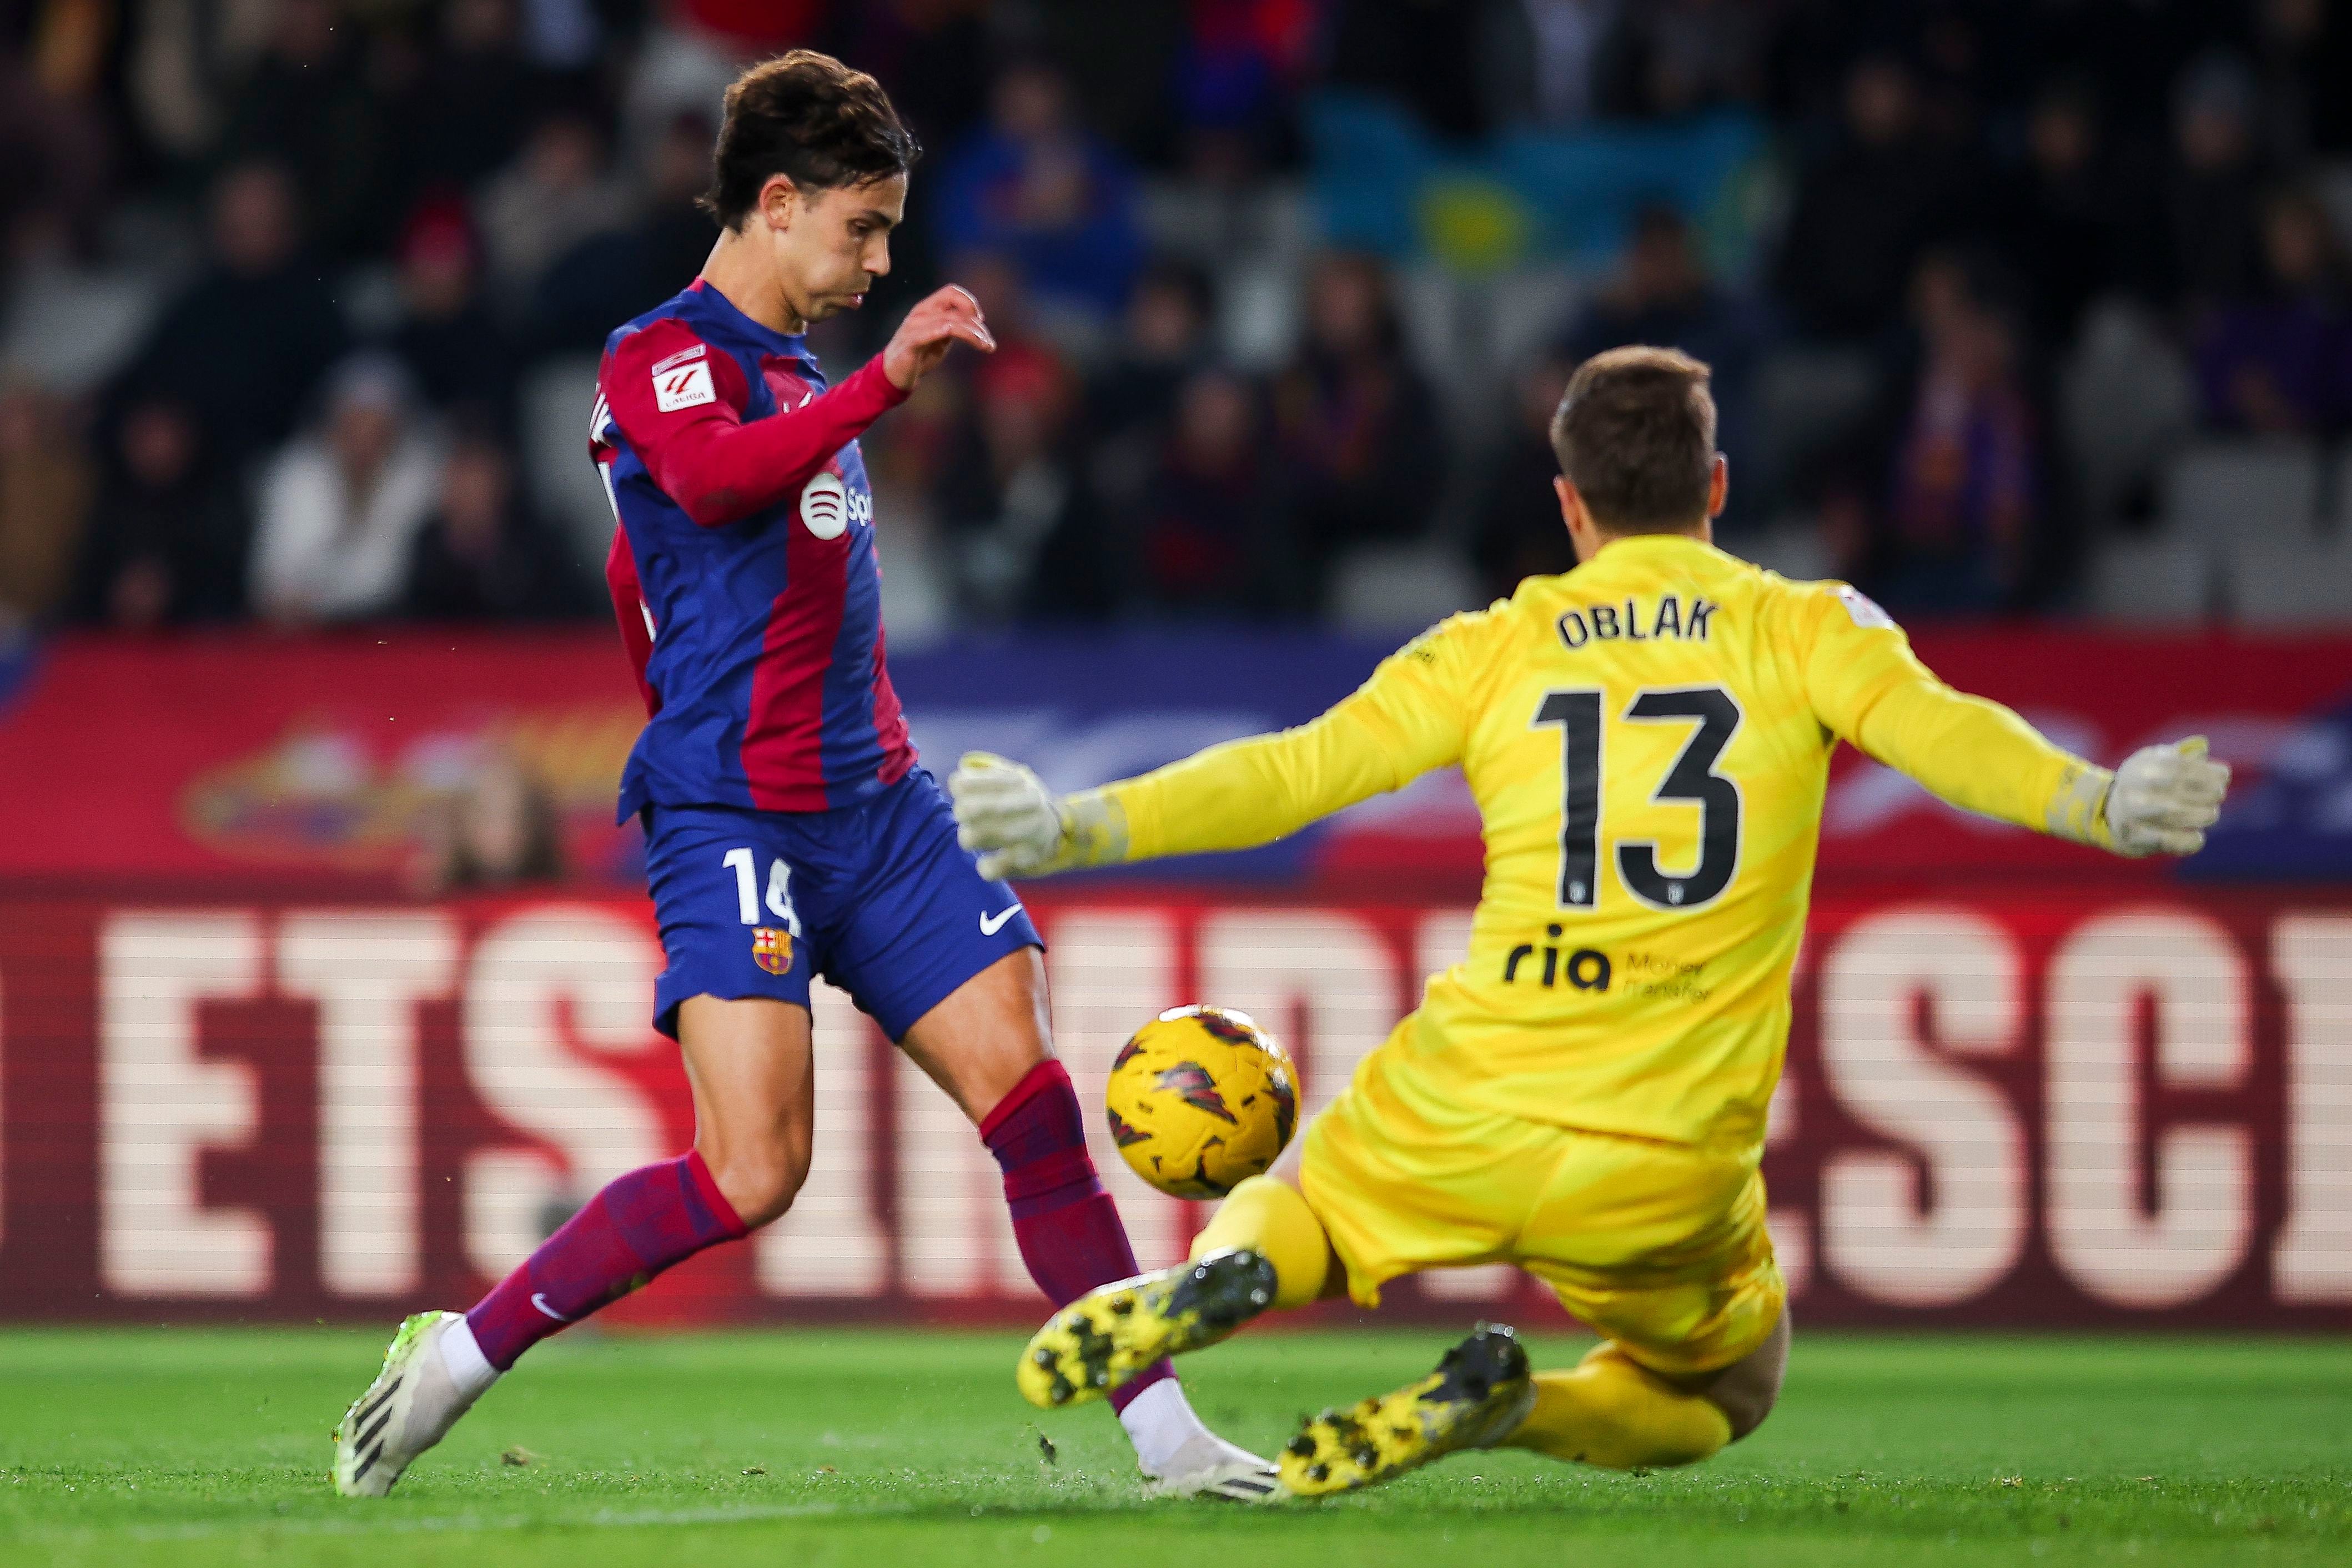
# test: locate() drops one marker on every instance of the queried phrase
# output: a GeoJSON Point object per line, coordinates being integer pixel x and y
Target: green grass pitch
{"type": "Point", "coordinates": [802, 1448]}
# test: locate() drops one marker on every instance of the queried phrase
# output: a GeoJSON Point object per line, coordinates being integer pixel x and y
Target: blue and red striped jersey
{"type": "Point", "coordinates": [743, 569]}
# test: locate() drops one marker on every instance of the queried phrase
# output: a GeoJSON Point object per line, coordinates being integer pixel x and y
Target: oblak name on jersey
{"type": "Point", "coordinates": [742, 571]}
{"type": "Point", "coordinates": [1665, 616]}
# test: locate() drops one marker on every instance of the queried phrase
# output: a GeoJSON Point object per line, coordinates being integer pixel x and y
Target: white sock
{"type": "Point", "coordinates": [1158, 1422]}
{"type": "Point", "coordinates": [462, 1359]}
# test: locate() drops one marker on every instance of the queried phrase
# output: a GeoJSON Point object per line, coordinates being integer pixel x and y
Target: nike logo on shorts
{"type": "Point", "coordinates": [990, 925]}
{"type": "Point", "coordinates": [539, 1301]}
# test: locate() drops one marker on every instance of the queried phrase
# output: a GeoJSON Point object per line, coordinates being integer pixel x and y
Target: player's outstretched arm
{"type": "Point", "coordinates": [1869, 688]}
{"type": "Point", "coordinates": [680, 404]}
{"type": "Point", "coordinates": [1409, 717]}
{"type": "Point", "coordinates": [1237, 795]}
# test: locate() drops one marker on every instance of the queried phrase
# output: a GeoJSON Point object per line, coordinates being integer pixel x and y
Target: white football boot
{"type": "Point", "coordinates": [410, 1405]}
{"type": "Point", "coordinates": [1179, 1456]}
{"type": "Point", "coordinates": [1207, 1465]}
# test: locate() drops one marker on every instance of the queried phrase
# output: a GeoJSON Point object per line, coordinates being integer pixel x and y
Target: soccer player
{"type": "Point", "coordinates": [788, 829]}
{"type": "Point", "coordinates": [1648, 738]}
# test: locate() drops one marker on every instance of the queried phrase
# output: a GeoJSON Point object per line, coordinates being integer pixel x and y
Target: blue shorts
{"type": "Point", "coordinates": [877, 897]}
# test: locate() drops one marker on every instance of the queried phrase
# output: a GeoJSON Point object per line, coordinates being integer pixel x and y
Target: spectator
{"type": "Point", "coordinates": [179, 57]}
{"type": "Point", "coordinates": [453, 346]}
{"type": "Point", "coordinates": [308, 107]}
{"type": "Point", "coordinates": [1037, 187]}
{"type": "Point", "coordinates": [2065, 229]}
{"type": "Point", "coordinates": [1864, 212]}
{"type": "Point", "coordinates": [465, 113]}
{"type": "Point", "coordinates": [1538, 59]}
{"type": "Point", "coordinates": [1967, 496]}
{"type": "Point", "coordinates": [1358, 423]}
{"type": "Point", "coordinates": [54, 137]}
{"type": "Point", "coordinates": [1517, 529]}
{"type": "Point", "coordinates": [2134, 50]}
{"type": "Point", "coordinates": [2306, 49]}
{"type": "Point", "coordinates": [1953, 53]}
{"type": "Point", "coordinates": [341, 509]}
{"type": "Point", "coordinates": [1238, 74]}
{"type": "Point", "coordinates": [611, 277]}
{"type": "Point", "coordinates": [167, 544]}
{"type": "Point", "coordinates": [483, 556]}
{"type": "Point", "coordinates": [1665, 296]}
{"type": "Point", "coordinates": [554, 194]}
{"type": "Point", "coordinates": [1012, 499]}
{"type": "Point", "coordinates": [925, 50]}
{"type": "Point", "coordinates": [995, 281]}
{"type": "Point", "coordinates": [1013, 506]}
{"type": "Point", "coordinates": [2280, 361]}
{"type": "Point", "coordinates": [44, 499]}
{"type": "Point", "coordinates": [2212, 209]}
{"type": "Point", "coordinates": [247, 340]}
{"type": "Point", "coordinates": [1670, 57]}
{"type": "Point", "coordinates": [1164, 338]}
{"type": "Point", "coordinates": [1215, 533]}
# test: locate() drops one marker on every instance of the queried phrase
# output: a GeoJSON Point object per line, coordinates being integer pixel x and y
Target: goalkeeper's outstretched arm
{"type": "Point", "coordinates": [1406, 720]}
{"type": "Point", "coordinates": [1868, 687]}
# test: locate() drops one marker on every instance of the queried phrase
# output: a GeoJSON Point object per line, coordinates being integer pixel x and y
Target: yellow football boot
{"type": "Point", "coordinates": [1479, 1394]}
{"type": "Point", "coordinates": [1114, 1331]}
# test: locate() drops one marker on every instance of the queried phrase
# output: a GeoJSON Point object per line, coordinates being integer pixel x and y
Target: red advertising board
{"type": "Point", "coordinates": [2079, 1108]}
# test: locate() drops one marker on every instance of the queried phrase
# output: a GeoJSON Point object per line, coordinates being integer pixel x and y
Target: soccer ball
{"type": "Point", "coordinates": [1201, 1099]}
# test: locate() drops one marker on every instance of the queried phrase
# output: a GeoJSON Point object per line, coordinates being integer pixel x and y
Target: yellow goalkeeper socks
{"type": "Point", "coordinates": [1270, 1217]}
{"type": "Point", "coordinates": [1610, 1412]}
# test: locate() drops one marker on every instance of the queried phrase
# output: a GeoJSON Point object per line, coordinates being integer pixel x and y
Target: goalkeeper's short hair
{"type": "Point", "coordinates": [1635, 435]}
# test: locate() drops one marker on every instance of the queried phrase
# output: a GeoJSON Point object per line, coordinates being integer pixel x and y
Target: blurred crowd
{"type": "Point", "coordinates": [299, 299]}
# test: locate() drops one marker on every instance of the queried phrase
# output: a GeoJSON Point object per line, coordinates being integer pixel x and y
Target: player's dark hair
{"type": "Point", "coordinates": [1635, 435]}
{"type": "Point", "coordinates": [810, 118]}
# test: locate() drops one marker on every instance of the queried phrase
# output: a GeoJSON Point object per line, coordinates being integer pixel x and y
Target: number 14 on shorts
{"type": "Point", "coordinates": [747, 888]}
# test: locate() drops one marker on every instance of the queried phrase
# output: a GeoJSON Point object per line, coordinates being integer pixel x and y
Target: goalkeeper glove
{"type": "Point", "coordinates": [2163, 799]}
{"type": "Point", "coordinates": [1019, 827]}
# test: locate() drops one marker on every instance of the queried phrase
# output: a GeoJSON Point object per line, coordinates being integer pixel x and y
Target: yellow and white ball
{"type": "Point", "coordinates": [1201, 1099]}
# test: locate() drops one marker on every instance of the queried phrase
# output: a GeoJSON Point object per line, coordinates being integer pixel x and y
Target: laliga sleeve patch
{"type": "Point", "coordinates": [1863, 609]}
{"type": "Point", "coordinates": [683, 386]}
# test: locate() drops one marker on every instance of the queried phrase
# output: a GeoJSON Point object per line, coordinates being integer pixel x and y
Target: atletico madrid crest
{"type": "Point", "coordinates": [772, 949]}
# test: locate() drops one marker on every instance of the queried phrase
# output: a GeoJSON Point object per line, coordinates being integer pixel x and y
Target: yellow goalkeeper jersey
{"type": "Point", "coordinates": [1648, 738]}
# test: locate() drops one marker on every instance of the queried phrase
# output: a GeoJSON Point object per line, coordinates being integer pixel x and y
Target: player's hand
{"type": "Point", "coordinates": [947, 318]}
{"type": "Point", "coordinates": [2164, 798]}
{"type": "Point", "coordinates": [1005, 813]}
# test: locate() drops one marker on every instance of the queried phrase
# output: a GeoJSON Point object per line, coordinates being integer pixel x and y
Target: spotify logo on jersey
{"type": "Point", "coordinates": [825, 506]}
{"type": "Point", "coordinates": [828, 507]}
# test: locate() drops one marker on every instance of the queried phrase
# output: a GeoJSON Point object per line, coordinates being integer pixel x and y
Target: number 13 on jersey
{"type": "Point", "coordinates": [1581, 717]}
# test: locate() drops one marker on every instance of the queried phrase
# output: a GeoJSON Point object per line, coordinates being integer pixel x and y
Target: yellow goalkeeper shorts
{"type": "Point", "coordinates": [1659, 1247]}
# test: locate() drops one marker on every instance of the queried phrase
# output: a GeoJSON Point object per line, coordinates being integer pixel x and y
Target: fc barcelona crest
{"type": "Point", "coordinates": [772, 949]}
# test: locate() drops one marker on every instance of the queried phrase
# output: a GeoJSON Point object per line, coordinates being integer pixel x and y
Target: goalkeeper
{"type": "Point", "coordinates": [1648, 738]}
